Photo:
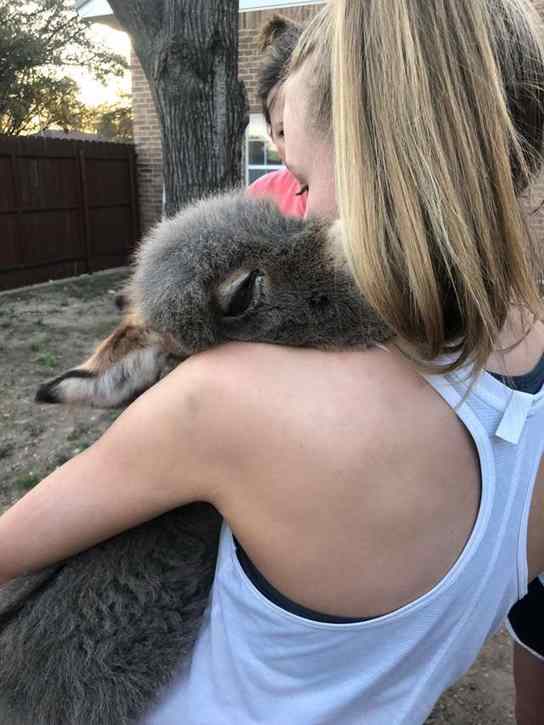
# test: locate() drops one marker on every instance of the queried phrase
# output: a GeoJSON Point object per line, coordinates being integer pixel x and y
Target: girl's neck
{"type": "Point", "coordinates": [520, 345]}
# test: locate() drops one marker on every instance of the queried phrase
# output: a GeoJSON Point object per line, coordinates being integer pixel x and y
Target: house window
{"type": "Point", "coordinates": [261, 154]}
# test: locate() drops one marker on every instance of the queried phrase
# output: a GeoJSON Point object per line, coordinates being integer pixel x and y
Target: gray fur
{"type": "Point", "coordinates": [95, 639]}
{"type": "Point", "coordinates": [307, 297]}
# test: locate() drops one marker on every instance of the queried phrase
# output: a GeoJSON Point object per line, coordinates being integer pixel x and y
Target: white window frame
{"type": "Point", "coordinates": [257, 127]}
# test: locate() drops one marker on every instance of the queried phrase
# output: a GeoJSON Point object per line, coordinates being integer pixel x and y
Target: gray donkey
{"type": "Point", "coordinates": [94, 639]}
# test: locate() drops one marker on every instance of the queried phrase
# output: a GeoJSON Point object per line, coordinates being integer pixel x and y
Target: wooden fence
{"type": "Point", "coordinates": [66, 208]}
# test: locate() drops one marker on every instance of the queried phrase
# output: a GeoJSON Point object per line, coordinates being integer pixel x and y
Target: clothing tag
{"type": "Point", "coordinates": [514, 417]}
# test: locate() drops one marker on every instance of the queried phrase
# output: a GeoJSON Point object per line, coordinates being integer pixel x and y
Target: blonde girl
{"type": "Point", "coordinates": [385, 518]}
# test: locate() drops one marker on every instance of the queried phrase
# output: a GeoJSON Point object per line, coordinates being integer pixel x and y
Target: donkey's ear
{"type": "Point", "coordinates": [126, 364]}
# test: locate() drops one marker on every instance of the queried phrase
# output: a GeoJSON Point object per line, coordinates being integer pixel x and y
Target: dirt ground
{"type": "Point", "coordinates": [44, 331]}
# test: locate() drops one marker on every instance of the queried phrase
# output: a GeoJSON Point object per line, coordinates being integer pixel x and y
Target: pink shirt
{"type": "Point", "coordinates": [281, 186]}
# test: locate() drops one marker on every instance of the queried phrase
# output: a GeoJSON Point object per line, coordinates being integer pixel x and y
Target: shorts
{"type": "Point", "coordinates": [526, 619]}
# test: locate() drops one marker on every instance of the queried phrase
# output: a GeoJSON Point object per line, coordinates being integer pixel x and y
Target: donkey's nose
{"type": "Point", "coordinates": [52, 390]}
{"type": "Point", "coordinates": [46, 394]}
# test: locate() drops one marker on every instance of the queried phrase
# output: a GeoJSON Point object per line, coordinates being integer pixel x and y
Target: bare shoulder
{"type": "Point", "coordinates": [260, 398]}
{"type": "Point", "coordinates": [261, 391]}
{"type": "Point", "coordinates": [264, 381]}
{"type": "Point", "coordinates": [354, 444]}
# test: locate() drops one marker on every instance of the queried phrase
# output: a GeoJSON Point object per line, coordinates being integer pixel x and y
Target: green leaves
{"type": "Point", "coordinates": [38, 40]}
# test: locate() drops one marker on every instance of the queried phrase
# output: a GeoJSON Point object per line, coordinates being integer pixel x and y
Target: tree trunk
{"type": "Point", "coordinates": [188, 50]}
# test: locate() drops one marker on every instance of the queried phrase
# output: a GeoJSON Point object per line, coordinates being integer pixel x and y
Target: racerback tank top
{"type": "Point", "coordinates": [256, 662]}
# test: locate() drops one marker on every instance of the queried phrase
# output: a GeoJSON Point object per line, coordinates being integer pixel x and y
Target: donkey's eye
{"type": "Point", "coordinates": [243, 295]}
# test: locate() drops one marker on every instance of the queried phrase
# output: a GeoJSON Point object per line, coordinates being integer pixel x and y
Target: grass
{"type": "Point", "coordinates": [24, 483]}
{"type": "Point", "coordinates": [82, 446]}
{"type": "Point", "coordinates": [61, 458]}
{"type": "Point", "coordinates": [47, 360]}
{"type": "Point", "coordinates": [38, 345]}
{"type": "Point", "coordinates": [76, 434]}
{"type": "Point", "coordinates": [49, 329]}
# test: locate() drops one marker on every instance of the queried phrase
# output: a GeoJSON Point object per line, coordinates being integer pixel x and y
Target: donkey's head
{"type": "Point", "coordinates": [227, 268]}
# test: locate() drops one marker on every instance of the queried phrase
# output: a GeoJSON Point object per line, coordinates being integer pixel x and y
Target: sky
{"type": "Point", "coordinates": [92, 93]}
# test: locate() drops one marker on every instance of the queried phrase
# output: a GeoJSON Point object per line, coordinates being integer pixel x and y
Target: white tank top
{"type": "Point", "coordinates": [255, 663]}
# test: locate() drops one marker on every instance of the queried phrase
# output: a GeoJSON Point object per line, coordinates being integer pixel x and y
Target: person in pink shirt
{"type": "Point", "coordinates": [279, 37]}
{"type": "Point", "coordinates": [284, 189]}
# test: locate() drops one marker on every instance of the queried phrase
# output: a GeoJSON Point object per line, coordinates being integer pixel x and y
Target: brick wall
{"type": "Point", "coordinates": [146, 123]}
{"type": "Point", "coordinates": [147, 138]}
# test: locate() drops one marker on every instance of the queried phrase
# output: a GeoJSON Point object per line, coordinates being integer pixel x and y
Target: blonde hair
{"type": "Point", "coordinates": [438, 122]}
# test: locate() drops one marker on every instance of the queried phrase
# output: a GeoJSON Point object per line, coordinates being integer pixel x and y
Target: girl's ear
{"type": "Point", "coordinates": [125, 364]}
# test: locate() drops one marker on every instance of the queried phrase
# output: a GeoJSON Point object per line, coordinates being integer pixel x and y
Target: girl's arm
{"type": "Point", "coordinates": [172, 446]}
